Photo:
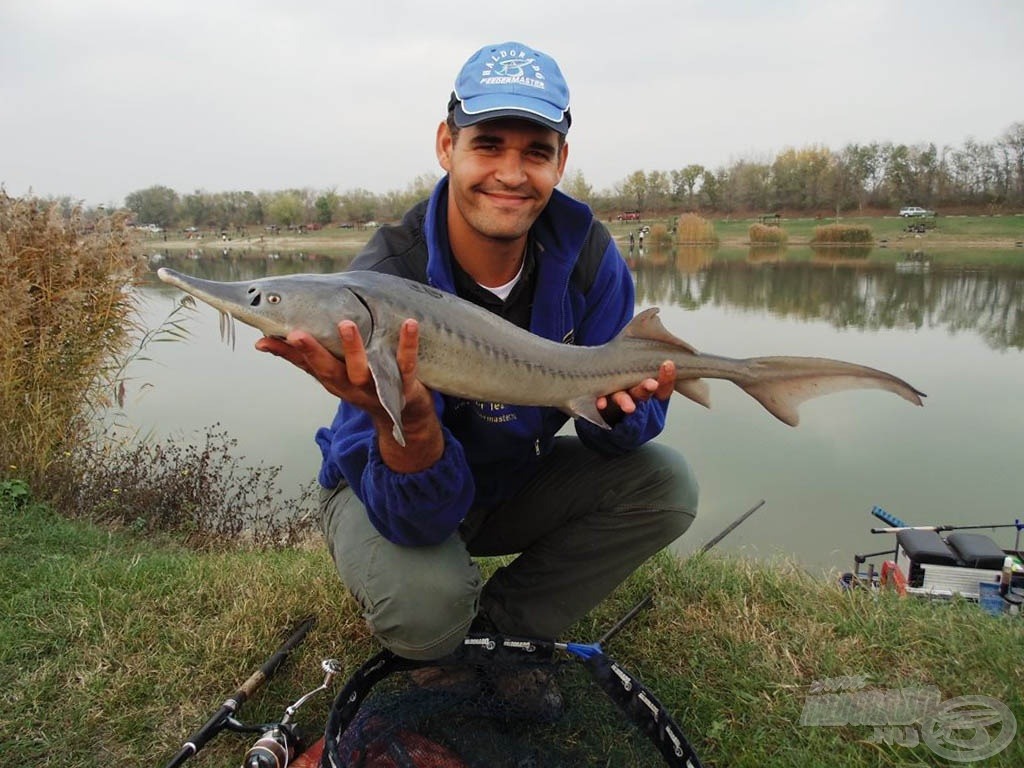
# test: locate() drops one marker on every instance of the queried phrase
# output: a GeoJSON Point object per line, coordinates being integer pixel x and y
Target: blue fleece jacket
{"type": "Point", "coordinates": [491, 449]}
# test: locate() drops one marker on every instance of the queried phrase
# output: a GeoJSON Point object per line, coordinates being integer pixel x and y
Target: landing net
{"type": "Point", "coordinates": [501, 702]}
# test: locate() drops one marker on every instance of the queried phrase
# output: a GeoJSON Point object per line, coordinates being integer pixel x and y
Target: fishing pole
{"type": "Point", "coordinates": [223, 717]}
{"type": "Point", "coordinates": [731, 527]}
{"type": "Point", "coordinates": [943, 528]}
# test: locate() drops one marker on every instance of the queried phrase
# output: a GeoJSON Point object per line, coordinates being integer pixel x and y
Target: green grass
{"type": "Point", "coordinates": [114, 648]}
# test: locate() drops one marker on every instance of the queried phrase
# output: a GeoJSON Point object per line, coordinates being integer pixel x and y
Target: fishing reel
{"type": "Point", "coordinates": [279, 743]}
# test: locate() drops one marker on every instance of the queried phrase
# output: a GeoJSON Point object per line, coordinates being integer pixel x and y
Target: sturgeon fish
{"type": "Point", "coordinates": [472, 353]}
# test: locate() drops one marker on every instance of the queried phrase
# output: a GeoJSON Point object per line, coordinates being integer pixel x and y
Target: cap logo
{"type": "Point", "coordinates": [513, 66]}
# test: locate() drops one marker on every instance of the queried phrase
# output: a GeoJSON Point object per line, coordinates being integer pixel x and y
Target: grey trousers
{"type": "Point", "coordinates": [579, 527]}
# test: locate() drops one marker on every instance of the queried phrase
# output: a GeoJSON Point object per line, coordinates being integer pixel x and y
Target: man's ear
{"type": "Point", "coordinates": [443, 146]}
{"type": "Point", "coordinates": [563, 156]}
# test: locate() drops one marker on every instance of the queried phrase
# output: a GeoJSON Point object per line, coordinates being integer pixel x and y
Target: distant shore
{"type": "Point", "coordinates": [995, 232]}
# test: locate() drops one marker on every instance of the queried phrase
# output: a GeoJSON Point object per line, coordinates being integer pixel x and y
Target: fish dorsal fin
{"type": "Point", "coordinates": [647, 325]}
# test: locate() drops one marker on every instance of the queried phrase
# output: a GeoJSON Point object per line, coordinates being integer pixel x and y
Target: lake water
{"type": "Point", "coordinates": [952, 324]}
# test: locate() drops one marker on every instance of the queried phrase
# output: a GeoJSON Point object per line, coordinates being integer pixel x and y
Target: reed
{"type": "Point", "coordinates": [694, 229]}
{"type": "Point", "coordinates": [762, 234]}
{"type": "Point", "coordinates": [68, 315]}
{"type": "Point", "coordinates": [660, 236]}
{"type": "Point", "coordinates": [842, 233]}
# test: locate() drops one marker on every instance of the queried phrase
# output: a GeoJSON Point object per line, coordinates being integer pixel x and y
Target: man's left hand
{"type": "Point", "coordinates": [616, 405]}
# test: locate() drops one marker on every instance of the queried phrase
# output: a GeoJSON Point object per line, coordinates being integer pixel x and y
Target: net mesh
{"type": "Point", "coordinates": [497, 713]}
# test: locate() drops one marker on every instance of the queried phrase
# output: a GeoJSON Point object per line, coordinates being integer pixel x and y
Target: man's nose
{"type": "Point", "coordinates": [511, 169]}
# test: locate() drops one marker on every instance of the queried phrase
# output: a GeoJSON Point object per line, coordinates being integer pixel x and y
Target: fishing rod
{"type": "Point", "coordinates": [224, 716]}
{"type": "Point", "coordinates": [731, 527]}
{"type": "Point", "coordinates": [943, 528]}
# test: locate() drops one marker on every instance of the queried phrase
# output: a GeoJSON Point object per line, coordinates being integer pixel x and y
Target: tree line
{"type": "Point", "coordinates": [857, 178]}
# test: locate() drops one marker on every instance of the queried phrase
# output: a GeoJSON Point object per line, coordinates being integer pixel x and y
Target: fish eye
{"type": "Point", "coordinates": [273, 298]}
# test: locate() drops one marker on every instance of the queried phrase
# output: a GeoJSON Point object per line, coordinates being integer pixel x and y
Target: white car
{"type": "Point", "coordinates": [913, 210]}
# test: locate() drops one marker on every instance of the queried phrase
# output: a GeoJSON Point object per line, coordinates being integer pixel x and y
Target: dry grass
{"type": "Point", "coordinates": [694, 229]}
{"type": "Point", "coordinates": [660, 236]}
{"type": "Point", "coordinates": [762, 234]}
{"type": "Point", "coordinates": [66, 290]}
{"type": "Point", "coordinates": [843, 234]}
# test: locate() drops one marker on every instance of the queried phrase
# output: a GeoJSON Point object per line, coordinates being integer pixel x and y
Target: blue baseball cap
{"type": "Point", "coordinates": [511, 80]}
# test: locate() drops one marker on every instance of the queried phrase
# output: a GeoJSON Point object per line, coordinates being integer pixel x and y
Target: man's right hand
{"type": "Point", "coordinates": [351, 380]}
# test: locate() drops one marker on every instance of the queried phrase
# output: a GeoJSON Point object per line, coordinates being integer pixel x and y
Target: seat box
{"type": "Point", "coordinates": [977, 550]}
{"type": "Point", "coordinates": [926, 547]}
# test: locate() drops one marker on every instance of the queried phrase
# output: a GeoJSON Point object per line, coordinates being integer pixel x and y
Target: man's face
{"type": "Point", "coordinates": [501, 175]}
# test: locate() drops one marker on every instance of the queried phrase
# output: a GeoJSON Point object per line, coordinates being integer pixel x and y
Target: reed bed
{"type": "Point", "coordinates": [694, 229]}
{"type": "Point", "coordinates": [764, 235]}
{"type": "Point", "coordinates": [660, 236]}
{"type": "Point", "coordinates": [69, 309]}
{"type": "Point", "coordinates": [842, 233]}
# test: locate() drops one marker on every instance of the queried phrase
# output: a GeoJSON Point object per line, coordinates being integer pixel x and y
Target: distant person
{"type": "Point", "coordinates": [475, 479]}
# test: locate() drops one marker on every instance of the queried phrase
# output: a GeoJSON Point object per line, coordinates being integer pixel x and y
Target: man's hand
{"type": "Point", "coordinates": [351, 380]}
{"type": "Point", "coordinates": [614, 406]}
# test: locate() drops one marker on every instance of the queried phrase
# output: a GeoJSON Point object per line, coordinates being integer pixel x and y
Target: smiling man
{"type": "Point", "coordinates": [403, 523]}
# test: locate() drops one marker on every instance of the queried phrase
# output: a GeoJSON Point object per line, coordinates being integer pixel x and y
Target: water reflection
{"type": "Point", "coordinates": [832, 254]}
{"type": "Point", "coordinates": [847, 291]}
{"type": "Point", "coordinates": [244, 264]}
{"type": "Point", "coordinates": [841, 286]}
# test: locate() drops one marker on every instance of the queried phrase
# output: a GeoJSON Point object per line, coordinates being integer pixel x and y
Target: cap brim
{"type": "Point", "coordinates": [473, 111]}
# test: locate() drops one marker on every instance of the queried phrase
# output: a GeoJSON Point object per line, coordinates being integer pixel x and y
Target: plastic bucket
{"type": "Point", "coordinates": [989, 597]}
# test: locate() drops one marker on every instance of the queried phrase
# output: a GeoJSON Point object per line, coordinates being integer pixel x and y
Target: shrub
{"type": "Point", "coordinates": [842, 233]}
{"type": "Point", "coordinates": [203, 494]}
{"type": "Point", "coordinates": [762, 234]}
{"type": "Point", "coordinates": [68, 309]}
{"type": "Point", "coordinates": [695, 229]}
{"type": "Point", "coordinates": [660, 236]}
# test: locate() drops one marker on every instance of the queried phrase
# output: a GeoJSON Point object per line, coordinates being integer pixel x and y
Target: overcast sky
{"type": "Point", "coordinates": [99, 98]}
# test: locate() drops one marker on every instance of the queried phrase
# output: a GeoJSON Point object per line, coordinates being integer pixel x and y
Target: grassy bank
{"type": "Point", "coordinates": [114, 648]}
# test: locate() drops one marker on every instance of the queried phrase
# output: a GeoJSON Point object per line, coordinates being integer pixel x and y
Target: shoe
{"type": "Point", "coordinates": [525, 694]}
{"type": "Point", "coordinates": [456, 679]}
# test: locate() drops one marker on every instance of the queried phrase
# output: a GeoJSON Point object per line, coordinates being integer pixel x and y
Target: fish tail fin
{"type": "Point", "coordinates": [782, 383]}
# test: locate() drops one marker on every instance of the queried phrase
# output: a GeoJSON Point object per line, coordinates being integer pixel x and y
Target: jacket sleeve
{"type": "Point", "coordinates": [410, 509]}
{"type": "Point", "coordinates": [609, 308]}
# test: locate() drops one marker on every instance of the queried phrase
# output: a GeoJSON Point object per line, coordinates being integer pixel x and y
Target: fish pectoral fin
{"type": "Point", "coordinates": [585, 408]}
{"type": "Point", "coordinates": [387, 380]}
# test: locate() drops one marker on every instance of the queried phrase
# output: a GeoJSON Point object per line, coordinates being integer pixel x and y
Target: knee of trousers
{"type": "Point", "coordinates": [428, 616]}
{"type": "Point", "coordinates": [668, 488]}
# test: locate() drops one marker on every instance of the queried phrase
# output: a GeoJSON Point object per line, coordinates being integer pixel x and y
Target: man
{"type": "Point", "coordinates": [481, 479]}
